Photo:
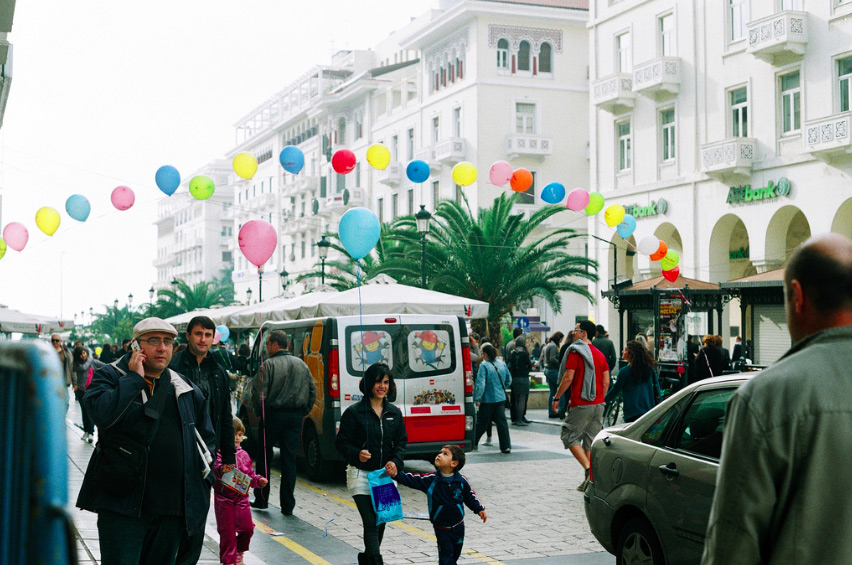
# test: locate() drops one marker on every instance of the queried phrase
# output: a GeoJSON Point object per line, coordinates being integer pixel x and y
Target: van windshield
{"type": "Point", "coordinates": [411, 351]}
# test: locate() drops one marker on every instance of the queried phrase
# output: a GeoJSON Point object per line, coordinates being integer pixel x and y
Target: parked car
{"type": "Point", "coordinates": [652, 482]}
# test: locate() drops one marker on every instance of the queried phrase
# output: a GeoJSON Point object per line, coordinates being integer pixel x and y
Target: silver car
{"type": "Point", "coordinates": [652, 481]}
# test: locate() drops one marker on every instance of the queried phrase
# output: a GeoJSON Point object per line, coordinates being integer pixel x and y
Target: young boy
{"type": "Point", "coordinates": [445, 491]}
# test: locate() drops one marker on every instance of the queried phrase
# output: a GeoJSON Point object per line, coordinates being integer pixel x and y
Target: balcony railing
{"type": "Point", "coordinates": [392, 175]}
{"type": "Point", "coordinates": [526, 145]}
{"type": "Point", "coordinates": [658, 76]}
{"type": "Point", "coordinates": [614, 93]}
{"type": "Point", "coordinates": [731, 156]}
{"type": "Point", "coordinates": [450, 150]}
{"type": "Point", "coordinates": [784, 33]}
{"type": "Point", "coordinates": [345, 199]}
{"type": "Point", "coordinates": [829, 137]}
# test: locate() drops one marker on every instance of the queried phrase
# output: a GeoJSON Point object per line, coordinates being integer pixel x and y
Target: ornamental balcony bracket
{"type": "Point", "coordinates": [451, 150]}
{"type": "Point", "coordinates": [730, 157]}
{"type": "Point", "coordinates": [658, 77]}
{"type": "Point", "coordinates": [614, 93]}
{"type": "Point", "coordinates": [392, 175]}
{"type": "Point", "coordinates": [778, 38]}
{"type": "Point", "coordinates": [829, 138]}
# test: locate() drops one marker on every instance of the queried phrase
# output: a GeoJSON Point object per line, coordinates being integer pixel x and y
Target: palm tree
{"type": "Point", "coordinates": [184, 298]}
{"type": "Point", "coordinates": [115, 324]}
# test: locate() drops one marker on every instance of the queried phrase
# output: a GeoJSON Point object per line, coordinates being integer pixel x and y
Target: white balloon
{"type": "Point", "coordinates": [648, 245]}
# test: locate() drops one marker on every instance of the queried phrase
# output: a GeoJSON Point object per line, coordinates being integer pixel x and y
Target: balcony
{"type": "Point", "coordinates": [660, 76]}
{"type": "Point", "coordinates": [166, 261]}
{"type": "Point", "coordinates": [427, 154]}
{"type": "Point", "coordinates": [450, 151]}
{"type": "Point", "coordinates": [392, 175]}
{"type": "Point", "coordinates": [526, 145]}
{"type": "Point", "coordinates": [614, 93]}
{"type": "Point", "coordinates": [343, 200]}
{"type": "Point", "coordinates": [783, 36]}
{"type": "Point", "coordinates": [829, 137]}
{"type": "Point", "coordinates": [732, 156]}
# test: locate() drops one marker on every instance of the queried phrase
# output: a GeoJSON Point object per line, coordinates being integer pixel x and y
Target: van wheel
{"type": "Point", "coordinates": [319, 470]}
{"type": "Point", "coordinates": [637, 543]}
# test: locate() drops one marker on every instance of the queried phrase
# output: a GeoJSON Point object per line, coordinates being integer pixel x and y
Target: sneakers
{"type": "Point", "coordinates": [505, 451]}
{"type": "Point", "coordinates": [259, 504]}
{"type": "Point", "coordinates": [88, 438]}
{"type": "Point", "coordinates": [488, 442]}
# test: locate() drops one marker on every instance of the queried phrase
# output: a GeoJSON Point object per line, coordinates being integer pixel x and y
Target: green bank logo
{"type": "Point", "coordinates": [652, 209]}
{"type": "Point", "coordinates": [746, 193]}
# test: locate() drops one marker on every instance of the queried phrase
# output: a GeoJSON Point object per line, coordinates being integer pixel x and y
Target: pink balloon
{"type": "Point", "coordinates": [16, 235]}
{"type": "Point", "coordinates": [122, 198]}
{"type": "Point", "coordinates": [578, 199]}
{"type": "Point", "coordinates": [500, 173]}
{"type": "Point", "coordinates": [257, 239]}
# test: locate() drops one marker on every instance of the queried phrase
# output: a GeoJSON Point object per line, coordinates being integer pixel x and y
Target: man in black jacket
{"type": "Point", "coordinates": [196, 364]}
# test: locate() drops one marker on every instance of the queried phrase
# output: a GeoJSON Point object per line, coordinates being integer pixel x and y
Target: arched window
{"type": "Point", "coordinates": [544, 59]}
{"type": "Point", "coordinates": [503, 54]}
{"type": "Point", "coordinates": [524, 56]}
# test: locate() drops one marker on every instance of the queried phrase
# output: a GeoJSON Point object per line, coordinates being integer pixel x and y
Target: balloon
{"type": "Point", "coordinates": [596, 203]}
{"type": "Point", "coordinates": [672, 274]}
{"type": "Point", "coordinates": [78, 207]}
{"type": "Point", "coordinates": [257, 240]}
{"type": "Point", "coordinates": [216, 337]}
{"type": "Point", "coordinates": [553, 193]}
{"type": "Point", "coordinates": [464, 174]}
{"type": "Point", "coordinates": [660, 252]}
{"type": "Point", "coordinates": [122, 198]}
{"type": "Point", "coordinates": [343, 161]}
{"type": "Point", "coordinates": [578, 199]}
{"type": "Point", "coordinates": [292, 159]}
{"type": "Point", "coordinates": [627, 226]}
{"type": "Point", "coordinates": [224, 332]}
{"type": "Point", "coordinates": [98, 351]}
{"type": "Point", "coordinates": [359, 231]}
{"type": "Point", "coordinates": [614, 215]}
{"type": "Point", "coordinates": [47, 220]}
{"type": "Point", "coordinates": [521, 180]}
{"type": "Point", "coordinates": [2, 248]}
{"type": "Point", "coordinates": [16, 235]}
{"type": "Point", "coordinates": [500, 173]}
{"type": "Point", "coordinates": [378, 156]}
{"type": "Point", "coordinates": [417, 171]}
{"type": "Point", "coordinates": [670, 261]}
{"type": "Point", "coordinates": [201, 187]}
{"type": "Point", "coordinates": [167, 179]}
{"type": "Point", "coordinates": [648, 244]}
{"type": "Point", "coordinates": [245, 165]}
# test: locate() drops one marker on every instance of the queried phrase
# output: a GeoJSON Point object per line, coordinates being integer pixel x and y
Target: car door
{"type": "Point", "coordinates": [682, 477]}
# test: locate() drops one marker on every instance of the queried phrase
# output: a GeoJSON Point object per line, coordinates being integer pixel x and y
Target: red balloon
{"type": "Point", "coordinates": [672, 274]}
{"type": "Point", "coordinates": [521, 180]}
{"type": "Point", "coordinates": [660, 252]}
{"type": "Point", "coordinates": [343, 161]}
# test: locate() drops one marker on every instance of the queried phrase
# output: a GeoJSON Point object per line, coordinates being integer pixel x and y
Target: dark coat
{"type": "Point", "coordinates": [709, 359]}
{"type": "Point", "coordinates": [361, 428]}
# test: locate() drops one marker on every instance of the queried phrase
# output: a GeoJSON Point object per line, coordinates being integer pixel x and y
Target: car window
{"type": "Point", "coordinates": [656, 432]}
{"type": "Point", "coordinates": [700, 430]}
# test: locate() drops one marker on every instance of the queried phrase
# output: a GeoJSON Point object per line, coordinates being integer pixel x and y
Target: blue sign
{"type": "Point", "coordinates": [523, 323]}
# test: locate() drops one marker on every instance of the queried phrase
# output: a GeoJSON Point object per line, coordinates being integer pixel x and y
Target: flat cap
{"type": "Point", "coordinates": [149, 325]}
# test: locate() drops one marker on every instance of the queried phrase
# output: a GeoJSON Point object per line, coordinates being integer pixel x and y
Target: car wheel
{"type": "Point", "coordinates": [319, 470]}
{"type": "Point", "coordinates": [638, 544]}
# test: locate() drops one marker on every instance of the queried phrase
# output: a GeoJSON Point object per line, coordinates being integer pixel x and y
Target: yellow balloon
{"type": "Point", "coordinates": [464, 174]}
{"type": "Point", "coordinates": [98, 351]}
{"type": "Point", "coordinates": [47, 220]}
{"type": "Point", "coordinates": [378, 156]}
{"type": "Point", "coordinates": [245, 165]}
{"type": "Point", "coordinates": [614, 215]}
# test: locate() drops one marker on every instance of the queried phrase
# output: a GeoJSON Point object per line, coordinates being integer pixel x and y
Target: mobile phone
{"type": "Point", "coordinates": [134, 346]}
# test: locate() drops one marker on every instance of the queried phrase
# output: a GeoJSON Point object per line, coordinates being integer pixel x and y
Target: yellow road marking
{"type": "Point", "coordinates": [299, 550]}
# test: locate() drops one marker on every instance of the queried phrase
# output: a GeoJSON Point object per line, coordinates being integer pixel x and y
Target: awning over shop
{"type": "Point", "coordinates": [14, 321]}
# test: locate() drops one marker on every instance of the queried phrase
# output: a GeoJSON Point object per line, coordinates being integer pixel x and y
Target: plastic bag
{"type": "Point", "coordinates": [386, 500]}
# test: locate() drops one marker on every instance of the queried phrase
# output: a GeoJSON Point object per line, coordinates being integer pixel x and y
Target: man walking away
{"type": "Point", "coordinates": [605, 346]}
{"type": "Point", "coordinates": [785, 458]}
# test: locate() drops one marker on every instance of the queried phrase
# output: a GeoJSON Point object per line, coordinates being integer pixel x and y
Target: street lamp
{"type": "Point", "coordinates": [151, 293]}
{"type": "Point", "coordinates": [260, 283]}
{"type": "Point", "coordinates": [283, 274]}
{"type": "Point", "coordinates": [248, 296]}
{"type": "Point", "coordinates": [115, 319]}
{"type": "Point", "coordinates": [423, 217]}
{"type": "Point", "coordinates": [323, 244]}
{"type": "Point", "coordinates": [129, 300]}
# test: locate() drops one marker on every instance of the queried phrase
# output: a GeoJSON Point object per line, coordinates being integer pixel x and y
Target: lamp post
{"type": "Point", "coordinates": [260, 283]}
{"type": "Point", "coordinates": [423, 217]}
{"type": "Point", "coordinates": [284, 274]}
{"type": "Point", "coordinates": [614, 256]}
{"type": "Point", "coordinates": [151, 293]}
{"type": "Point", "coordinates": [248, 296]}
{"type": "Point", "coordinates": [115, 319]}
{"type": "Point", "coordinates": [129, 300]}
{"type": "Point", "coordinates": [323, 244]}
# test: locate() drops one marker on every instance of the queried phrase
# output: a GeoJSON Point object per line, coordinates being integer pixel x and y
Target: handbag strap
{"type": "Point", "coordinates": [496, 370]}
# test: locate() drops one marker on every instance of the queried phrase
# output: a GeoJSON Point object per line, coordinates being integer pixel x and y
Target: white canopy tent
{"type": "Point", "coordinates": [14, 321]}
{"type": "Point", "coordinates": [218, 315]}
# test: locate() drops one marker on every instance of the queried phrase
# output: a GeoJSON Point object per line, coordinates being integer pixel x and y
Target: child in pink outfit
{"type": "Point", "coordinates": [233, 514]}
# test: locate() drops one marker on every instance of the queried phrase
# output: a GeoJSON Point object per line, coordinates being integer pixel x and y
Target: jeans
{"type": "Point", "coordinates": [493, 412]}
{"type": "Point", "coordinates": [285, 428]}
{"type": "Point", "coordinates": [373, 534]}
{"type": "Point", "coordinates": [125, 540]}
{"type": "Point", "coordinates": [552, 376]}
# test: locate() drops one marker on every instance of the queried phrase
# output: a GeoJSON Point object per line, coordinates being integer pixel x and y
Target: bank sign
{"type": "Point", "coordinates": [745, 193]}
{"type": "Point", "coordinates": [652, 209]}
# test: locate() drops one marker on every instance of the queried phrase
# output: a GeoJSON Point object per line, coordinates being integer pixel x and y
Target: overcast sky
{"type": "Point", "coordinates": [104, 92]}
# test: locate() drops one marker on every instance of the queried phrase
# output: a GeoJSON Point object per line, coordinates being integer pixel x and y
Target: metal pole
{"type": "Point", "coordinates": [323, 270]}
{"type": "Point", "coordinates": [423, 261]}
{"type": "Point", "coordinates": [260, 284]}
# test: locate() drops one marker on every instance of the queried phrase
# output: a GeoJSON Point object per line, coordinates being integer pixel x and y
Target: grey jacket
{"type": "Point", "coordinates": [286, 383]}
{"type": "Point", "coordinates": [784, 473]}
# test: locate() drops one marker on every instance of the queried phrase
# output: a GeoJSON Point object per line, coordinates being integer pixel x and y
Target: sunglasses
{"type": "Point", "coordinates": [56, 340]}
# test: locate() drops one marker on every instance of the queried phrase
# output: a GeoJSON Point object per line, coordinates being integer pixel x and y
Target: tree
{"type": "Point", "coordinates": [185, 298]}
{"type": "Point", "coordinates": [114, 325]}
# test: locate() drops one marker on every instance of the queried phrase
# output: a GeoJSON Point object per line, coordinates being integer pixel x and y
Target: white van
{"type": "Point", "coordinates": [428, 355]}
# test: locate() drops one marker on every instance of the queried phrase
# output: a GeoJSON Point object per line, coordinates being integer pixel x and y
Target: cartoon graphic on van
{"type": "Point", "coordinates": [374, 347]}
{"type": "Point", "coordinates": [429, 349]}
{"type": "Point", "coordinates": [434, 396]}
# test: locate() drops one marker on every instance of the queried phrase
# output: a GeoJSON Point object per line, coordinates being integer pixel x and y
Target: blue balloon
{"type": "Point", "coordinates": [627, 226]}
{"type": "Point", "coordinates": [168, 179]}
{"type": "Point", "coordinates": [359, 231]}
{"type": "Point", "coordinates": [78, 207]}
{"type": "Point", "coordinates": [292, 159]}
{"type": "Point", "coordinates": [224, 332]}
{"type": "Point", "coordinates": [417, 171]}
{"type": "Point", "coordinates": [553, 193]}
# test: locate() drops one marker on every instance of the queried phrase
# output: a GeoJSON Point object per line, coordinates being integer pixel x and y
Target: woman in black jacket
{"type": "Point", "coordinates": [371, 436]}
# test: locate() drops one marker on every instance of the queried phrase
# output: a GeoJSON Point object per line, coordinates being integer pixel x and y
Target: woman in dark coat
{"type": "Point", "coordinates": [520, 367]}
{"type": "Point", "coordinates": [637, 382]}
{"type": "Point", "coordinates": [709, 362]}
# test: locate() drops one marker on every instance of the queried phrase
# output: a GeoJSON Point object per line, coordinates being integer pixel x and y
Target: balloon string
{"type": "Point", "coordinates": [363, 359]}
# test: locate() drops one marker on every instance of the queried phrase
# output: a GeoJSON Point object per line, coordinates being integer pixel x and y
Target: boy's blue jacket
{"type": "Point", "coordinates": [445, 495]}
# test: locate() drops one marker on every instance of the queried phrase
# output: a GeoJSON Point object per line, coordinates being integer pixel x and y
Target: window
{"type": "Point", "coordinates": [380, 204]}
{"type": "Point", "coordinates": [304, 248]}
{"type": "Point", "coordinates": [524, 56]}
{"type": "Point", "coordinates": [525, 117]}
{"type": "Point", "coordinates": [667, 125]}
{"type": "Point", "coordinates": [844, 75]}
{"type": "Point", "coordinates": [394, 206]}
{"type": "Point", "coordinates": [738, 18]}
{"type": "Point", "coordinates": [457, 122]}
{"type": "Point", "coordinates": [625, 141]}
{"type": "Point", "coordinates": [394, 148]}
{"type": "Point", "coordinates": [624, 62]}
{"type": "Point", "coordinates": [436, 194]}
{"type": "Point", "coordinates": [358, 174]}
{"type": "Point", "coordinates": [436, 129]}
{"type": "Point", "coordinates": [528, 196]}
{"type": "Point", "coordinates": [227, 256]}
{"type": "Point", "coordinates": [544, 58]}
{"type": "Point", "coordinates": [791, 4]}
{"type": "Point", "coordinates": [667, 36]}
{"type": "Point", "coordinates": [503, 54]}
{"type": "Point", "coordinates": [739, 113]}
{"type": "Point", "coordinates": [791, 100]}
{"type": "Point", "coordinates": [702, 427]}
{"type": "Point", "coordinates": [411, 144]}
{"type": "Point", "coordinates": [410, 201]}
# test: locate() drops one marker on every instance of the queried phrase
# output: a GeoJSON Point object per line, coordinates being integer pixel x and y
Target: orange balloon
{"type": "Point", "coordinates": [660, 252]}
{"type": "Point", "coordinates": [521, 180]}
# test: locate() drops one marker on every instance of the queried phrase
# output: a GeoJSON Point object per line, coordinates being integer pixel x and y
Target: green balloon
{"type": "Point", "coordinates": [596, 203]}
{"type": "Point", "coordinates": [201, 187]}
{"type": "Point", "coordinates": [2, 248]}
{"type": "Point", "coordinates": [670, 261]}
